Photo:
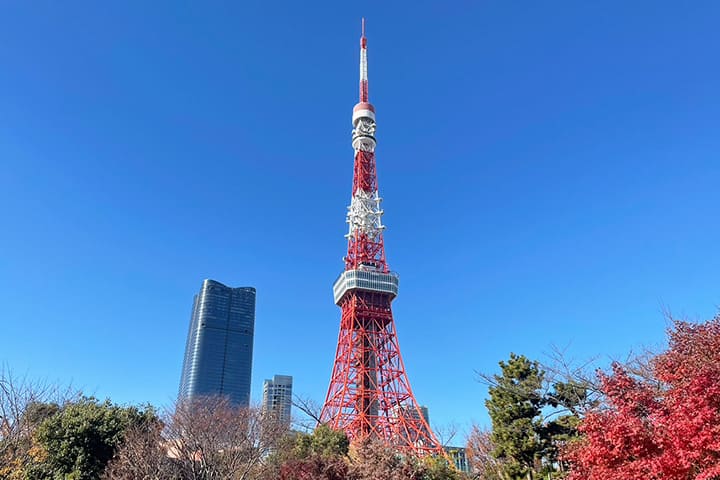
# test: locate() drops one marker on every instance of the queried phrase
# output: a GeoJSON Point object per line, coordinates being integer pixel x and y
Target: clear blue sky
{"type": "Point", "coordinates": [550, 173]}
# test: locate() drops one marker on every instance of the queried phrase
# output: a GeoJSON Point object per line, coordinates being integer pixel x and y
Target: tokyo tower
{"type": "Point", "coordinates": [369, 393]}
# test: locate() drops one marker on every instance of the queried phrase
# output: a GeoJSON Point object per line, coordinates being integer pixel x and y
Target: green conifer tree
{"type": "Point", "coordinates": [515, 405]}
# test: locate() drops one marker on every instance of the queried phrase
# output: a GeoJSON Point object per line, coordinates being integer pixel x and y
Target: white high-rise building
{"type": "Point", "coordinates": [277, 397]}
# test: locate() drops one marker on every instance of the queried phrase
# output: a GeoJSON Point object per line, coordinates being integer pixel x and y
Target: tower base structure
{"type": "Point", "coordinates": [370, 395]}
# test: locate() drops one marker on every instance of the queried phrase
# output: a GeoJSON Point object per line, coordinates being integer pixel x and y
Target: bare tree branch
{"type": "Point", "coordinates": [311, 409]}
{"type": "Point", "coordinates": [445, 432]}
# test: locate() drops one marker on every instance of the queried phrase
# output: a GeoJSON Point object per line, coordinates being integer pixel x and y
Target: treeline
{"type": "Point", "coordinates": [51, 435]}
{"type": "Point", "coordinates": [656, 416]}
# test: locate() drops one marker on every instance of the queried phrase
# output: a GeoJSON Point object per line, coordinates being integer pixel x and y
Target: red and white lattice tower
{"type": "Point", "coordinates": [369, 393]}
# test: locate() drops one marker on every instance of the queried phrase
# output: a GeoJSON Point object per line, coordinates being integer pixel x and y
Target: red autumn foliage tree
{"type": "Point", "coordinates": [664, 427]}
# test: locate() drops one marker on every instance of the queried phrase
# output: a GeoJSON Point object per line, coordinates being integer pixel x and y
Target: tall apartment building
{"type": "Point", "coordinates": [218, 353]}
{"type": "Point", "coordinates": [277, 397]}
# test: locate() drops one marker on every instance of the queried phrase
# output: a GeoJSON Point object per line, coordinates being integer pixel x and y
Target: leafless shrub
{"type": "Point", "coordinates": [211, 439]}
{"type": "Point", "coordinates": [371, 460]}
{"type": "Point", "coordinates": [24, 404]}
{"type": "Point", "coordinates": [480, 456]}
{"type": "Point", "coordinates": [142, 455]}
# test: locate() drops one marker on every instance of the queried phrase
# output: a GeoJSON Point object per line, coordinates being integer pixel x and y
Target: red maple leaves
{"type": "Point", "coordinates": [663, 426]}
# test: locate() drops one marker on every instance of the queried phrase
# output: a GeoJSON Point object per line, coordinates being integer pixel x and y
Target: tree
{"type": "Point", "coordinates": [209, 439]}
{"type": "Point", "coordinates": [203, 438]}
{"type": "Point", "coordinates": [24, 405]}
{"type": "Point", "coordinates": [534, 411]}
{"type": "Point", "coordinates": [314, 468]}
{"type": "Point", "coordinates": [515, 409]}
{"type": "Point", "coordinates": [143, 455]}
{"type": "Point", "coordinates": [327, 454]}
{"type": "Point", "coordinates": [323, 442]}
{"type": "Point", "coordinates": [79, 439]}
{"type": "Point", "coordinates": [321, 455]}
{"type": "Point", "coordinates": [664, 424]}
{"type": "Point", "coordinates": [372, 459]}
{"type": "Point", "coordinates": [479, 450]}
{"type": "Point", "coordinates": [569, 400]}
{"type": "Point", "coordinates": [438, 468]}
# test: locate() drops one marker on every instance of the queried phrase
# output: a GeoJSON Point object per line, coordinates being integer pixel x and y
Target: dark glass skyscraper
{"type": "Point", "coordinates": [218, 353]}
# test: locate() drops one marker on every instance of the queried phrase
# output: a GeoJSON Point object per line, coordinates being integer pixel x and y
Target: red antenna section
{"type": "Point", "coordinates": [369, 393]}
{"type": "Point", "coordinates": [364, 95]}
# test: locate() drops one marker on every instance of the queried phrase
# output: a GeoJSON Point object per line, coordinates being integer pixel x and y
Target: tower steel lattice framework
{"type": "Point", "coordinates": [369, 393]}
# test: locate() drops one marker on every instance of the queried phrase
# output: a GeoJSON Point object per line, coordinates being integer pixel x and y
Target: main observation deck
{"type": "Point", "coordinates": [368, 280]}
